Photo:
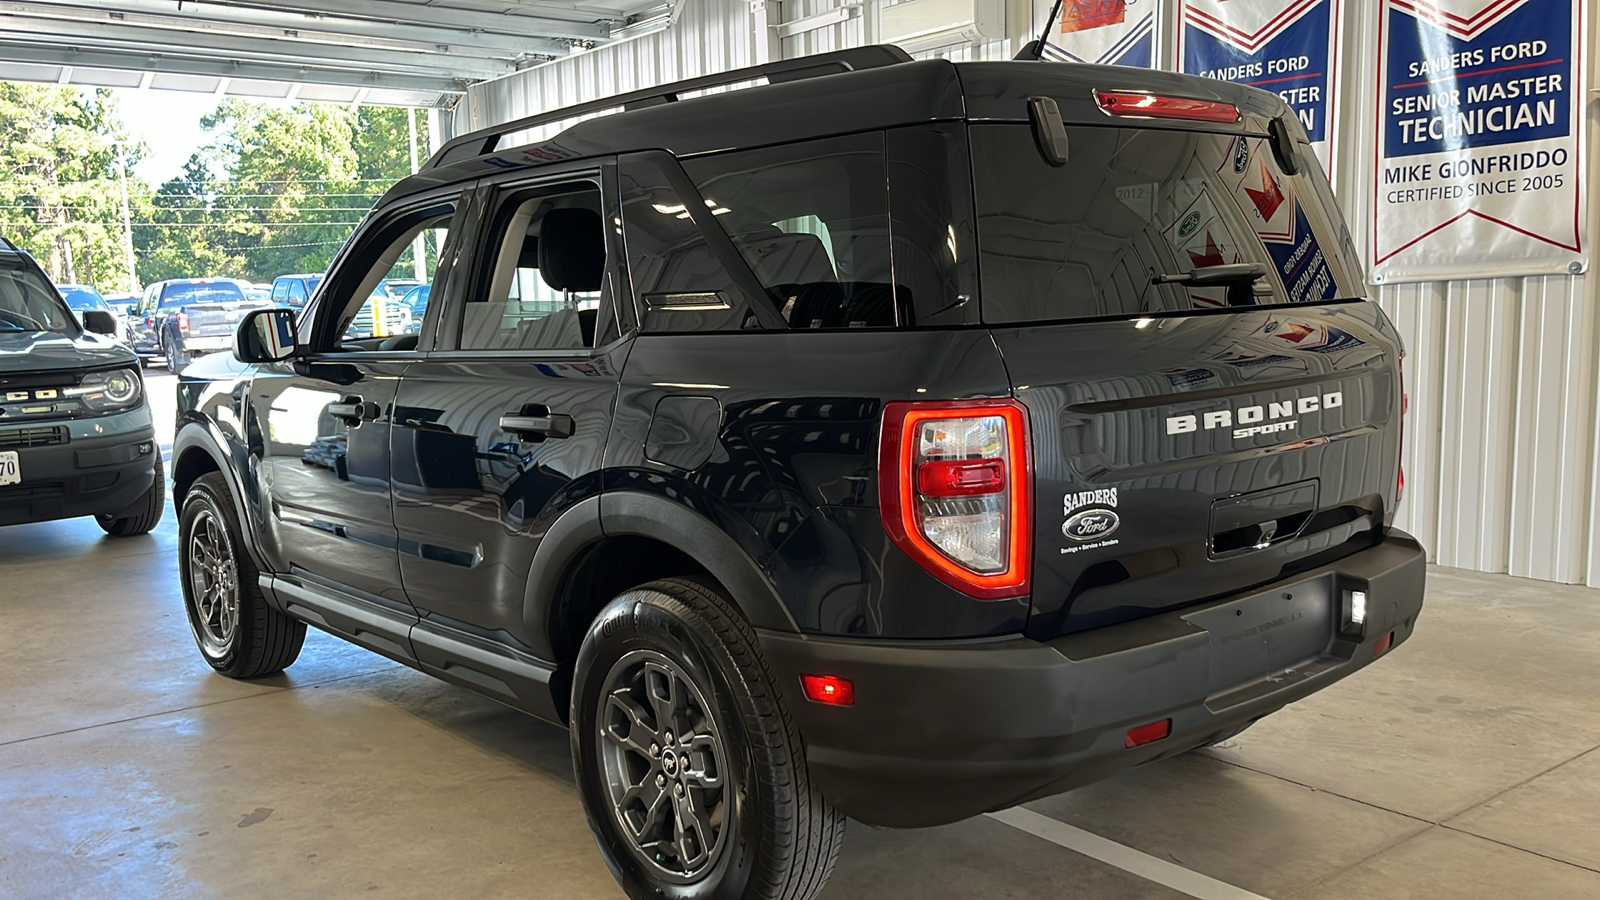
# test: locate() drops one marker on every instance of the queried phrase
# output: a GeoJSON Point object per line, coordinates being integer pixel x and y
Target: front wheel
{"type": "Point", "coordinates": [692, 773]}
{"type": "Point", "coordinates": [143, 515]}
{"type": "Point", "coordinates": [238, 632]}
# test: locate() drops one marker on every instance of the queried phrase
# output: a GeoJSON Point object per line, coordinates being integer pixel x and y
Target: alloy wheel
{"type": "Point", "coordinates": [665, 766]}
{"type": "Point", "coordinates": [213, 583]}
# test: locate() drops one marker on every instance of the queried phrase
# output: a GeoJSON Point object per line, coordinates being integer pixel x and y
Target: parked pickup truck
{"type": "Point", "coordinates": [181, 319]}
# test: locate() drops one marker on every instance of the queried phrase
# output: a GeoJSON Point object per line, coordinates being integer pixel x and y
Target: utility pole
{"type": "Point", "coordinates": [127, 222]}
{"type": "Point", "coordinates": [419, 247]}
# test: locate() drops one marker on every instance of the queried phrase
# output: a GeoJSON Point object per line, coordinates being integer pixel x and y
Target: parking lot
{"type": "Point", "coordinates": [1466, 766]}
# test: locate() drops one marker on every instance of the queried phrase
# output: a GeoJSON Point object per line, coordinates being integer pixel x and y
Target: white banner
{"type": "Point", "coordinates": [1480, 140]}
{"type": "Point", "coordinates": [1110, 32]}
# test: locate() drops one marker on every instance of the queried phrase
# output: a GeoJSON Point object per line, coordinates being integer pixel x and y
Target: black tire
{"type": "Point", "coordinates": [239, 634]}
{"type": "Point", "coordinates": [145, 514]}
{"type": "Point", "coordinates": [778, 838]}
{"type": "Point", "coordinates": [176, 358]}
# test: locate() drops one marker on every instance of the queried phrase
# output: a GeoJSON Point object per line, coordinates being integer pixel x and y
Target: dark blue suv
{"type": "Point", "coordinates": [903, 457]}
{"type": "Point", "coordinates": [75, 432]}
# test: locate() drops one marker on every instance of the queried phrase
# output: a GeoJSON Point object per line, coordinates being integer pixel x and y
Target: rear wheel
{"type": "Point", "coordinates": [176, 358]}
{"type": "Point", "coordinates": [237, 631]}
{"type": "Point", "coordinates": [692, 774]}
{"type": "Point", "coordinates": [143, 515]}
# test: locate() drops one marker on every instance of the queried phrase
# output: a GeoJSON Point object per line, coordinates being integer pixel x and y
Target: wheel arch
{"type": "Point", "coordinates": [196, 450]}
{"type": "Point", "coordinates": [617, 540]}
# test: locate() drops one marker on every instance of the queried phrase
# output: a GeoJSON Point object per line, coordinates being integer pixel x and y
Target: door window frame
{"type": "Point", "coordinates": [488, 197]}
{"type": "Point", "coordinates": [357, 252]}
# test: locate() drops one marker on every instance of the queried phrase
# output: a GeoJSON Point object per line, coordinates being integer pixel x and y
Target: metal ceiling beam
{"type": "Point", "coordinates": [403, 38]}
{"type": "Point", "coordinates": [551, 22]}
{"type": "Point", "coordinates": [159, 40]}
{"type": "Point", "coordinates": [31, 51]}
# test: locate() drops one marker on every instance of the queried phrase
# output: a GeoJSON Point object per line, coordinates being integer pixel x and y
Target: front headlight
{"type": "Point", "coordinates": [108, 391]}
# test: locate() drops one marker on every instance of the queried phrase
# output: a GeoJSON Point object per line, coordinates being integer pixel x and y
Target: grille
{"type": "Point", "coordinates": [12, 438]}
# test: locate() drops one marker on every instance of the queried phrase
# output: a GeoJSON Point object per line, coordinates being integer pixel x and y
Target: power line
{"type": "Point", "coordinates": [279, 246]}
{"type": "Point", "coordinates": [232, 224]}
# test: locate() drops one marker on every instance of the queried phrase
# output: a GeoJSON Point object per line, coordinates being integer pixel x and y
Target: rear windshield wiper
{"type": "Point", "coordinates": [1238, 278]}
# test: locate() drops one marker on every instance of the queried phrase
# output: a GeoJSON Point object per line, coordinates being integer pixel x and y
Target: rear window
{"type": "Point", "coordinates": [209, 292]}
{"type": "Point", "coordinates": [810, 220]}
{"type": "Point", "coordinates": [1137, 213]}
{"type": "Point", "coordinates": [84, 299]}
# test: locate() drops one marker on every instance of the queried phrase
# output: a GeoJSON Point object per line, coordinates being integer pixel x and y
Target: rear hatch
{"type": "Point", "coordinates": [212, 308]}
{"type": "Point", "coordinates": [215, 319]}
{"type": "Point", "coordinates": [1190, 440]}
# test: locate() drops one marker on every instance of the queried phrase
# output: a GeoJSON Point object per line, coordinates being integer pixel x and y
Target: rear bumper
{"type": "Point", "coordinates": [210, 344]}
{"type": "Point", "coordinates": [86, 476]}
{"type": "Point", "coordinates": [945, 730]}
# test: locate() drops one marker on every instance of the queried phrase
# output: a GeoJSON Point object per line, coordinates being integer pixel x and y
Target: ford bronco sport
{"type": "Point", "coordinates": [1006, 426]}
{"type": "Point", "coordinates": [76, 438]}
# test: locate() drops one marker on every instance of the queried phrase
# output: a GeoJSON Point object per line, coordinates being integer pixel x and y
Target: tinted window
{"type": "Point", "coordinates": [542, 284]}
{"type": "Point", "coordinates": [185, 293]}
{"type": "Point", "coordinates": [29, 303]}
{"type": "Point", "coordinates": [810, 222]}
{"type": "Point", "coordinates": [1137, 211]}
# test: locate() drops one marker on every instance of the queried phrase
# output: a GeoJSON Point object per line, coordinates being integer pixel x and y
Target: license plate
{"type": "Point", "coordinates": [10, 468]}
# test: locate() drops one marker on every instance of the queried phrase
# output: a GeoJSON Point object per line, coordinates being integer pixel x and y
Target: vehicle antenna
{"type": "Point", "coordinates": [1035, 49]}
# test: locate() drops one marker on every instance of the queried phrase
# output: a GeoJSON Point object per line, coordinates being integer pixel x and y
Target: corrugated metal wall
{"type": "Point", "coordinates": [1504, 374]}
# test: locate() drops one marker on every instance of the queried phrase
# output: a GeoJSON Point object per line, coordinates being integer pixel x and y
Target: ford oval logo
{"type": "Point", "coordinates": [1189, 224]}
{"type": "Point", "coordinates": [1241, 156]}
{"type": "Point", "coordinates": [1091, 524]}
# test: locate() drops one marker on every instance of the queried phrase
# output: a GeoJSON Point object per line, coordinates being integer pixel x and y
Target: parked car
{"type": "Point", "coordinates": [76, 437]}
{"type": "Point", "coordinates": [387, 298]}
{"type": "Point", "coordinates": [1008, 426]}
{"type": "Point", "coordinates": [416, 302]}
{"type": "Point", "coordinates": [183, 318]}
{"type": "Point", "coordinates": [292, 291]}
{"type": "Point", "coordinates": [257, 292]}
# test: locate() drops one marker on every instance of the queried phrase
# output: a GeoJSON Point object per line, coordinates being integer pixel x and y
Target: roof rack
{"type": "Point", "coordinates": [487, 140]}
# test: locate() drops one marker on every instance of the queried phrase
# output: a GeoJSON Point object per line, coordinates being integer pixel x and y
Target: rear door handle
{"type": "Point", "coordinates": [354, 410]}
{"type": "Point", "coordinates": [537, 428]}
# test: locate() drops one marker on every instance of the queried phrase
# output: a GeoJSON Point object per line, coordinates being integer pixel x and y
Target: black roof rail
{"type": "Point", "coordinates": [9, 245]}
{"type": "Point", "coordinates": [487, 140]}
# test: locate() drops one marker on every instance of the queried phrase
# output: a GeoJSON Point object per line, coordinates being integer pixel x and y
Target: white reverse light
{"type": "Point", "coordinates": [1358, 607]}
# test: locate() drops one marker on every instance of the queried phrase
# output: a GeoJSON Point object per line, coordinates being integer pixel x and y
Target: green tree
{"type": "Point", "coordinates": [181, 240]}
{"type": "Point", "coordinates": [59, 197]}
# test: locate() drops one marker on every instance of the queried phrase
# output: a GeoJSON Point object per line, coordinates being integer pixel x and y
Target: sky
{"type": "Point", "coordinates": [169, 124]}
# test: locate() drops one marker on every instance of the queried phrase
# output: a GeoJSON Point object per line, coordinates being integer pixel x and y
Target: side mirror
{"type": "Point", "coordinates": [266, 335]}
{"type": "Point", "coordinates": [99, 321]}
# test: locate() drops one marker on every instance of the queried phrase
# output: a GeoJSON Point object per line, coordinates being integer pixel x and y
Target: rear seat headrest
{"type": "Point", "coordinates": [572, 250]}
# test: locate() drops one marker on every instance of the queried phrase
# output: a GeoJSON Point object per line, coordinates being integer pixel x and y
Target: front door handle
{"type": "Point", "coordinates": [354, 410]}
{"type": "Point", "coordinates": [537, 427]}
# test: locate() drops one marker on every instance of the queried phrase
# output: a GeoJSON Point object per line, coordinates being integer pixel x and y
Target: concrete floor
{"type": "Point", "coordinates": [1466, 765]}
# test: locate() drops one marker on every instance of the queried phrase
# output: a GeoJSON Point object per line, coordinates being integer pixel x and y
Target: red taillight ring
{"type": "Point", "coordinates": [897, 485]}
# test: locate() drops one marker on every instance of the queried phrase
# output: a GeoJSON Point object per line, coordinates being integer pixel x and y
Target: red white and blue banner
{"type": "Point", "coordinates": [1288, 47]}
{"type": "Point", "coordinates": [1109, 32]}
{"type": "Point", "coordinates": [1479, 160]}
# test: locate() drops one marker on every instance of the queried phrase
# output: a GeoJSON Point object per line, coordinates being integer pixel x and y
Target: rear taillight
{"type": "Point", "coordinates": [1140, 105]}
{"type": "Point", "coordinates": [953, 491]}
{"type": "Point", "coordinates": [183, 321]}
